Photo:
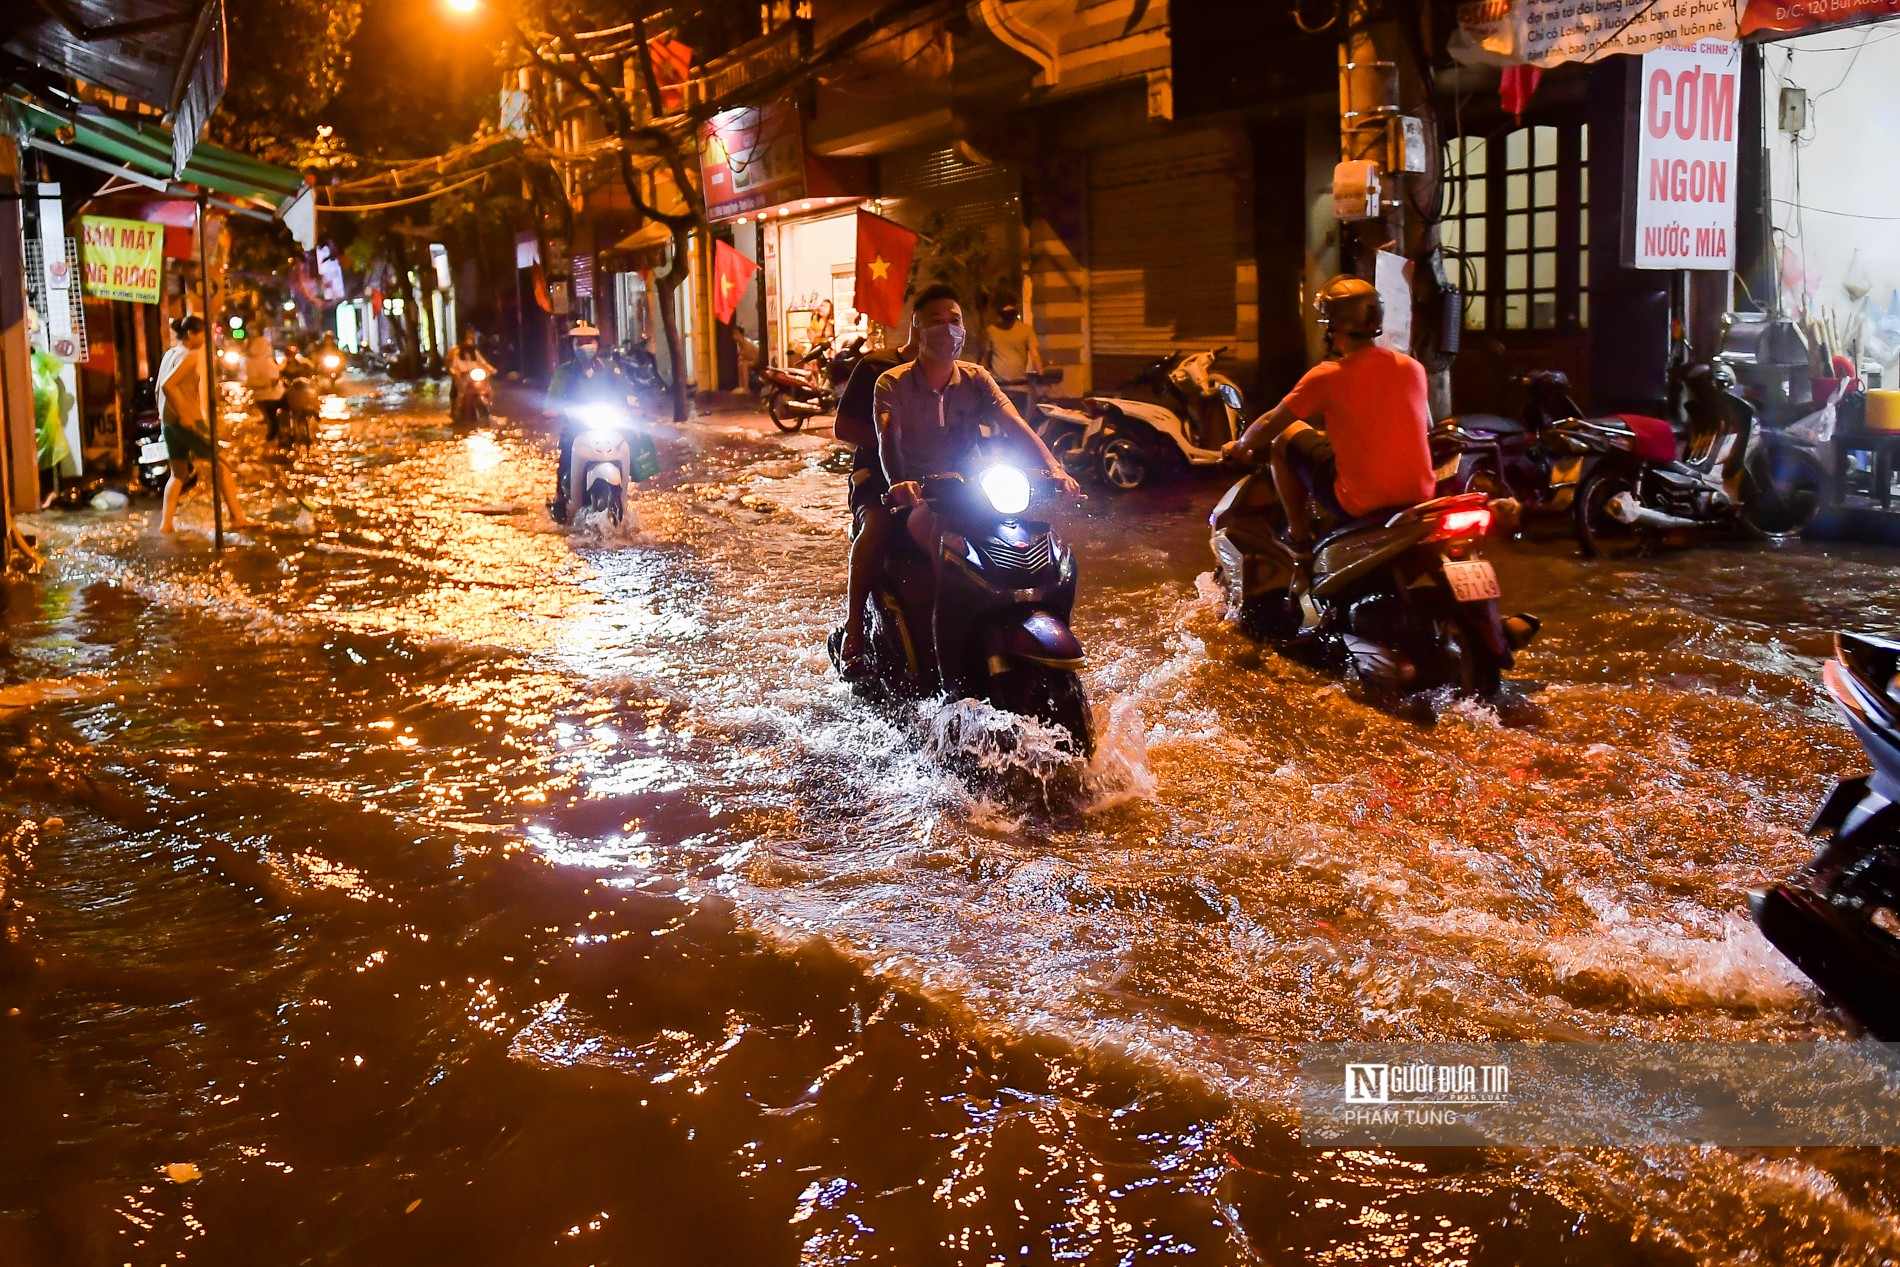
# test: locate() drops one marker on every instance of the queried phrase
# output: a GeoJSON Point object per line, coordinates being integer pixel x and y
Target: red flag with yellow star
{"type": "Point", "coordinates": [731, 272]}
{"type": "Point", "coordinates": [884, 251]}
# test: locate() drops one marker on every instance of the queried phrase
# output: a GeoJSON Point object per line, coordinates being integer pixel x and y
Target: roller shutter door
{"type": "Point", "coordinates": [1162, 250]}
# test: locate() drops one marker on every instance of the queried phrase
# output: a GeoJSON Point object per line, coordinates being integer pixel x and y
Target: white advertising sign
{"type": "Point", "coordinates": [1685, 188]}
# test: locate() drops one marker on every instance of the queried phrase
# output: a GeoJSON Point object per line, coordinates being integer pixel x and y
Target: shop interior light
{"type": "Point", "coordinates": [741, 219]}
{"type": "Point", "coordinates": [804, 206]}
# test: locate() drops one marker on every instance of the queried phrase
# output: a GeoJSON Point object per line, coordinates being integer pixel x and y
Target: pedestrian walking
{"type": "Point", "coordinates": [181, 413]}
{"type": "Point", "coordinates": [265, 379]}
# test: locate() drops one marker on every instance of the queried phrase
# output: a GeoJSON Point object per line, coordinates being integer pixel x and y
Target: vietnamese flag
{"type": "Point", "coordinates": [672, 64]}
{"type": "Point", "coordinates": [731, 272]}
{"type": "Point", "coordinates": [884, 251]}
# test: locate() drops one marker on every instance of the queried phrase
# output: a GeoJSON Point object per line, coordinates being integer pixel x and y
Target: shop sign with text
{"type": "Point", "coordinates": [1685, 187]}
{"type": "Point", "coordinates": [121, 258]}
{"type": "Point", "coordinates": [751, 158]}
{"type": "Point", "coordinates": [1807, 15]}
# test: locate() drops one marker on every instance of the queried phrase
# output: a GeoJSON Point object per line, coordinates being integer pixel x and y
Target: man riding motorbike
{"type": "Point", "coordinates": [932, 413]}
{"type": "Point", "coordinates": [465, 356]}
{"type": "Point", "coordinates": [587, 378]}
{"type": "Point", "coordinates": [870, 525]}
{"type": "Point", "coordinates": [1372, 402]}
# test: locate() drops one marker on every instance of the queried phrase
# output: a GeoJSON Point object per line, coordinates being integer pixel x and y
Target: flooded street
{"type": "Point", "coordinates": [432, 884]}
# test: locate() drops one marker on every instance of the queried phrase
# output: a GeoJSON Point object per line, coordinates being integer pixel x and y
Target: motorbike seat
{"type": "Point", "coordinates": [1485, 424]}
{"type": "Point", "coordinates": [1377, 519]}
{"type": "Point", "coordinates": [1655, 438]}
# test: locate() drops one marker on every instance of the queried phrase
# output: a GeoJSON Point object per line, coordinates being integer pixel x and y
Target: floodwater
{"type": "Point", "coordinates": [434, 885]}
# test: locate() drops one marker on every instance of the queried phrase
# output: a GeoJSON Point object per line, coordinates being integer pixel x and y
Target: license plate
{"type": "Point", "coordinates": [1567, 471]}
{"type": "Point", "coordinates": [1472, 580]}
{"type": "Point", "coordinates": [154, 451]}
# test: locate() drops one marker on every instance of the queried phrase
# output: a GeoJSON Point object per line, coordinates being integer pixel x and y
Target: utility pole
{"type": "Point", "coordinates": [1385, 190]}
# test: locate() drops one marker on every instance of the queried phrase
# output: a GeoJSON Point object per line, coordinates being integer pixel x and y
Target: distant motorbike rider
{"type": "Point", "coordinates": [1373, 452]}
{"type": "Point", "coordinates": [932, 413]}
{"type": "Point", "coordinates": [856, 425]}
{"type": "Point", "coordinates": [587, 378]}
{"type": "Point", "coordinates": [465, 357]}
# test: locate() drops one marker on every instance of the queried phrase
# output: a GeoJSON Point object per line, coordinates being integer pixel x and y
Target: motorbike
{"type": "Point", "coordinates": [1736, 476]}
{"type": "Point", "coordinates": [1403, 596]}
{"type": "Point", "coordinates": [1506, 457]}
{"type": "Point", "coordinates": [1838, 918]}
{"type": "Point", "coordinates": [302, 406]}
{"type": "Point", "coordinates": [476, 399]}
{"type": "Point", "coordinates": [642, 369]}
{"type": "Point", "coordinates": [330, 368]}
{"type": "Point", "coordinates": [148, 438]}
{"type": "Point", "coordinates": [811, 385]}
{"type": "Point", "coordinates": [611, 451]}
{"type": "Point", "coordinates": [1011, 580]}
{"type": "Point", "coordinates": [1135, 442]}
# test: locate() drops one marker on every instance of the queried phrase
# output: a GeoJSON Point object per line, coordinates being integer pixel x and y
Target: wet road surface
{"type": "Point", "coordinates": [431, 884]}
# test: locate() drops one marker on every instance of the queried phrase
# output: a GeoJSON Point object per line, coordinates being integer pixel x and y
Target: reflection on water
{"type": "Point", "coordinates": [447, 886]}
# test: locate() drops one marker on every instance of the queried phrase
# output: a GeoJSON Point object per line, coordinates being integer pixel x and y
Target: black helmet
{"type": "Point", "coordinates": [1351, 306]}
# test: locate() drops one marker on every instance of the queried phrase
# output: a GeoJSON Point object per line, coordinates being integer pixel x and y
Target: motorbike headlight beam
{"type": "Point", "coordinates": [1007, 488]}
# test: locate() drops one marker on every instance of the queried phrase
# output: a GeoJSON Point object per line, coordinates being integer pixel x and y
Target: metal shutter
{"type": "Point", "coordinates": [1161, 250]}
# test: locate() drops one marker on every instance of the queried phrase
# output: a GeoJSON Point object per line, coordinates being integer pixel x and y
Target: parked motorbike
{"type": "Point", "coordinates": [1403, 596]}
{"type": "Point", "coordinates": [611, 451]}
{"type": "Point", "coordinates": [642, 369]}
{"type": "Point", "coordinates": [1135, 442]}
{"type": "Point", "coordinates": [1011, 581]}
{"type": "Point", "coordinates": [148, 439]}
{"type": "Point", "coordinates": [475, 402]}
{"type": "Point", "coordinates": [1838, 918]}
{"type": "Point", "coordinates": [1506, 457]}
{"type": "Point", "coordinates": [810, 386]}
{"type": "Point", "coordinates": [1735, 477]}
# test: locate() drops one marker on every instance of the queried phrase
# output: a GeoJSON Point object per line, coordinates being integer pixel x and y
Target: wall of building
{"type": "Point", "coordinates": [1834, 187]}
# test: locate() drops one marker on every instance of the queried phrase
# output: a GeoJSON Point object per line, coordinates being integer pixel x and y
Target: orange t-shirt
{"type": "Point", "coordinates": [1377, 416]}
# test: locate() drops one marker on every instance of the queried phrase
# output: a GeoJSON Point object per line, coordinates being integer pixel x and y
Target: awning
{"type": "Point", "coordinates": [168, 54]}
{"type": "Point", "coordinates": [140, 152]}
{"type": "Point", "coordinates": [644, 248]}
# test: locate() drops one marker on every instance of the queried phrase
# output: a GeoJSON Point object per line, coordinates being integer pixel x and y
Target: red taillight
{"type": "Point", "coordinates": [1463, 523]}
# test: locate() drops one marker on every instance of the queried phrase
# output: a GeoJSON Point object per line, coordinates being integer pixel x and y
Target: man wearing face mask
{"type": "Point", "coordinates": [932, 413]}
{"type": "Point", "coordinates": [587, 378]}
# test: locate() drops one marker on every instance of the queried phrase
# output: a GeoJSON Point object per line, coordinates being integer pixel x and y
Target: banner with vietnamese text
{"type": "Point", "coordinates": [1548, 32]}
{"type": "Point", "coordinates": [121, 259]}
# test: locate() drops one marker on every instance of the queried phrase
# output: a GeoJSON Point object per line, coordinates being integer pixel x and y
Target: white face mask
{"type": "Point", "coordinates": [941, 342]}
{"type": "Point", "coordinates": [586, 350]}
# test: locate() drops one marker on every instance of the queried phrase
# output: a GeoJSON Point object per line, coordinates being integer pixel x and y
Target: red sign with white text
{"type": "Point", "coordinates": [1807, 15]}
{"type": "Point", "coordinates": [1685, 178]}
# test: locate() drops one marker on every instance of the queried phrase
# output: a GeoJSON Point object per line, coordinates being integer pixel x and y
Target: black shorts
{"type": "Point", "coordinates": [1310, 454]}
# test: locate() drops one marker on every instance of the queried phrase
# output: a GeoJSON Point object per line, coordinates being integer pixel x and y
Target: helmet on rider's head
{"type": "Point", "coordinates": [584, 330]}
{"type": "Point", "coordinates": [1351, 306]}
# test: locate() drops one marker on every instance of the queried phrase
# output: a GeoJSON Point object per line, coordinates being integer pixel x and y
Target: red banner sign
{"type": "Point", "coordinates": [751, 158]}
{"type": "Point", "coordinates": [1807, 15]}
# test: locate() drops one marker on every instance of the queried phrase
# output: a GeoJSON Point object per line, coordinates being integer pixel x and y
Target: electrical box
{"type": "Point", "coordinates": [1794, 110]}
{"type": "Point", "coordinates": [1406, 142]}
{"type": "Point", "coordinates": [1356, 191]}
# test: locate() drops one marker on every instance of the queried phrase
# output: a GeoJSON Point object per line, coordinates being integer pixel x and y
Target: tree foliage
{"type": "Point", "coordinates": [289, 59]}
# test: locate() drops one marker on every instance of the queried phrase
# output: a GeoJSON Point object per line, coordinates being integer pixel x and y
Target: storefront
{"type": "Point", "coordinates": [792, 214]}
{"type": "Point", "coordinates": [1830, 111]}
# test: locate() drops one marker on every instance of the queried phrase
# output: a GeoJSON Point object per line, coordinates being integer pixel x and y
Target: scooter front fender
{"type": "Point", "coordinates": [1037, 636]}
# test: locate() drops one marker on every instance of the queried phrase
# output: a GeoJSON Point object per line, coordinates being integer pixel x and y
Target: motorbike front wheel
{"type": "Point", "coordinates": [1055, 697]}
{"type": "Point", "coordinates": [1600, 534]}
{"type": "Point", "coordinates": [1787, 499]}
{"type": "Point", "coordinates": [782, 418]}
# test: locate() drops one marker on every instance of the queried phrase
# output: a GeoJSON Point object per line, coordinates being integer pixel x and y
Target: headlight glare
{"type": "Point", "coordinates": [1007, 488]}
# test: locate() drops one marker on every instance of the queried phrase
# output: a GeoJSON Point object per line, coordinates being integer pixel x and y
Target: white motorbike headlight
{"type": "Point", "coordinates": [477, 375]}
{"type": "Point", "coordinates": [1007, 488]}
{"type": "Point", "coordinates": [602, 416]}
